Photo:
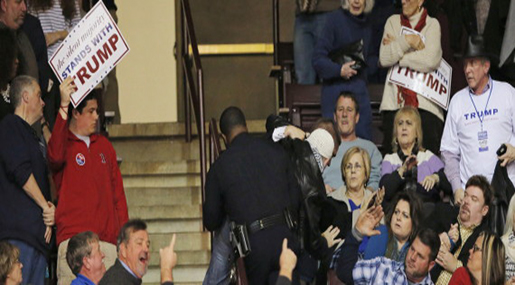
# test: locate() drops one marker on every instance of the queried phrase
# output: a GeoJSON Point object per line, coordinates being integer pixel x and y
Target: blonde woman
{"type": "Point", "coordinates": [410, 162]}
{"type": "Point", "coordinates": [485, 265]}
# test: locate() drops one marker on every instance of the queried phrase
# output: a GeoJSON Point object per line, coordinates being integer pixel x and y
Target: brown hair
{"type": "Point", "coordinates": [67, 6]}
{"type": "Point", "coordinates": [79, 247]}
{"type": "Point", "coordinates": [329, 125]}
{"type": "Point", "coordinates": [9, 254]}
{"type": "Point", "coordinates": [493, 263]}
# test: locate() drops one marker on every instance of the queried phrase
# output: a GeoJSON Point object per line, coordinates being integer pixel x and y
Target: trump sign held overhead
{"type": "Point", "coordinates": [91, 50]}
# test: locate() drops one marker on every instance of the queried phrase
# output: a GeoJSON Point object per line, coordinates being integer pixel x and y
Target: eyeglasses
{"type": "Point", "coordinates": [476, 248]}
{"type": "Point", "coordinates": [356, 167]}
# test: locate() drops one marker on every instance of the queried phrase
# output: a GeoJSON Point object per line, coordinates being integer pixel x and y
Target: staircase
{"type": "Point", "coordinates": [161, 176]}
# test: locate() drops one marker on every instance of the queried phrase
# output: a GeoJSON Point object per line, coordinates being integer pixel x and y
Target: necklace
{"type": "Point", "coordinates": [5, 94]}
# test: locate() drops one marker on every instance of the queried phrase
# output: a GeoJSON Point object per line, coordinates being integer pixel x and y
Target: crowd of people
{"type": "Point", "coordinates": [323, 206]}
{"type": "Point", "coordinates": [436, 209]}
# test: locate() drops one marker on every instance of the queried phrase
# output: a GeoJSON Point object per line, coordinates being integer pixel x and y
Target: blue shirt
{"type": "Point", "coordinates": [382, 270]}
{"type": "Point", "coordinates": [82, 280]}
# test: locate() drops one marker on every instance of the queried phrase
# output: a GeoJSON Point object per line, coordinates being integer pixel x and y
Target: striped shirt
{"type": "Point", "coordinates": [382, 270]}
{"type": "Point", "coordinates": [52, 20]}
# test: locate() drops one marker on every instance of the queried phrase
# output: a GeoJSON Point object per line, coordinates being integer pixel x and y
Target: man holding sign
{"type": "Point", "coordinates": [88, 181]}
{"type": "Point", "coordinates": [411, 41]}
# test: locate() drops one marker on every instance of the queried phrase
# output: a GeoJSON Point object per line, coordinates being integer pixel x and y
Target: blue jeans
{"type": "Point", "coordinates": [34, 263]}
{"type": "Point", "coordinates": [222, 257]}
{"type": "Point", "coordinates": [307, 28]}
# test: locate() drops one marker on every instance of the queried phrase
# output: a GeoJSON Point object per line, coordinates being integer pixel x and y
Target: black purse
{"type": "Point", "coordinates": [348, 53]}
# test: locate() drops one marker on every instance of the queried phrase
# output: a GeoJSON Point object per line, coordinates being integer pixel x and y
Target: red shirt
{"type": "Point", "coordinates": [460, 277]}
{"type": "Point", "coordinates": [89, 185]}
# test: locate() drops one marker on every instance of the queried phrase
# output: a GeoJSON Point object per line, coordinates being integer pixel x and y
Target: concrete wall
{"type": "Point", "coordinates": [147, 75]}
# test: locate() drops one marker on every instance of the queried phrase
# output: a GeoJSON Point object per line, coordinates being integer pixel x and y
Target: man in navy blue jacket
{"type": "Point", "coordinates": [26, 216]}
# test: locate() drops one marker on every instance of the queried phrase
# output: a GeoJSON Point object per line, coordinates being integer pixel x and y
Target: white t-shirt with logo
{"type": "Point", "coordinates": [462, 132]}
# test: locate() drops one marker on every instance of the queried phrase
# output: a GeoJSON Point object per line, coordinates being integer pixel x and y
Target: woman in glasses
{"type": "Point", "coordinates": [485, 264]}
{"type": "Point", "coordinates": [10, 265]}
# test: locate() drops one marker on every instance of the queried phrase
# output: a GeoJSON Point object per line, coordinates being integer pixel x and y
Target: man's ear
{"type": "Point", "coordinates": [3, 5]}
{"type": "Point", "coordinates": [85, 263]}
{"type": "Point", "coordinates": [357, 118]}
{"type": "Point", "coordinates": [24, 95]}
{"type": "Point", "coordinates": [431, 265]}
{"type": "Point", "coordinates": [123, 250]}
{"type": "Point", "coordinates": [487, 66]}
{"type": "Point", "coordinates": [484, 210]}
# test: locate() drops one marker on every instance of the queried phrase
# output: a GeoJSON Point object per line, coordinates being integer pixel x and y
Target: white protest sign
{"type": "Point", "coordinates": [436, 85]}
{"type": "Point", "coordinates": [91, 50]}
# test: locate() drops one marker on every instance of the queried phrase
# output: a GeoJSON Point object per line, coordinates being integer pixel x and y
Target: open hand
{"type": "Point", "coordinates": [330, 236]}
{"type": "Point", "coordinates": [368, 220]}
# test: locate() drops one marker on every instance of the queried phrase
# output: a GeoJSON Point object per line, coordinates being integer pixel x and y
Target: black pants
{"type": "Point", "coordinates": [262, 264]}
{"type": "Point", "coordinates": [432, 129]}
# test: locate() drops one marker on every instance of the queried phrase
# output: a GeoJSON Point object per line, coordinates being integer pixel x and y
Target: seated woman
{"type": "Point", "coordinates": [402, 222]}
{"type": "Point", "coordinates": [355, 172]}
{"type": "Point", "coordinates": [411, 166]}
{"type": "Point", "coordinates": [485, 264]}
{"type": "Point", "coordinates": [508, 239]}
{"type": "Point", "coordinates": [10, 265]}
{"type": "Point", "coordinates": [419, 50]}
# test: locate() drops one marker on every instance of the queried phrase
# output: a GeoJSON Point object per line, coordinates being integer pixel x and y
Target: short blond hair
{"type": "Point", "coordinates": [369, 5]}
{"type": "Point", "coordinates": [415, 116]}
{"type": "Point", "coordinates": [366, 161]}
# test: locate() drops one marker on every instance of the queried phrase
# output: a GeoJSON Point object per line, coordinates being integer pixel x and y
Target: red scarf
{"type": "Point", "coordinates": [410, 97]}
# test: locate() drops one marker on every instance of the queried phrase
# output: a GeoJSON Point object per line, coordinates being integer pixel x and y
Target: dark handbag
{"type": "Point", "coordinates": [307, 6]}
{"type": "Point", "coordinates": [348, 53]}
{"type": "Point", "coordinates": [504, 190]}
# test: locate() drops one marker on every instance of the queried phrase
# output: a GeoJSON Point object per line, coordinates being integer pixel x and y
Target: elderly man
{"type": "Point", "coordinates": [12, 14]}
{"type": "Point", "coordinates": [470, 221]}
{"type": "Point", "coordinates": [480, 119]}
{"type": "Point", "coordinates": [134, 256]}
{"type": "Point", "coordinates": [85, 258]}
{"type": "Point", "coordinates": [420, 258]}
{"type": "Point", "coordinates": [26, 216]}
{"type": "Point", "coordinates": [87, 178]}
{"type": "Point", "coordinates": [346, 116]}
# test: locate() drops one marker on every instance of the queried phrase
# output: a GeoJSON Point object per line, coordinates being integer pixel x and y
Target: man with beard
{"type": "Point", "coordinates": [346, 116]}
{"type": "Point", "coordinates": [420, 258]}
{"type": "Point", "coordinates": [470, 217]}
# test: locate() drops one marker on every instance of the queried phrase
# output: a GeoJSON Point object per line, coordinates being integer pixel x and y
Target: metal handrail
{"type": "Point", "coordinates": [194, 89]}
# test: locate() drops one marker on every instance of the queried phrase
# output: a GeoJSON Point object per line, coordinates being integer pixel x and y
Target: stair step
{"type": "Point", "coordinates": [163, 196]}
{"type": "Point", "coordinates": [160, 167]}
{"type": "Point", "coordinates": [184, 241]}
{"type": "Point", "coordinates": [160, 130]}
{"type": "Point", "coordinates": [161, 181]}
{"type": "Point", "coordinates": [151, 149]}
{"type": "Point", "coordinates": [192, 257]}
{"type": "Point", "coordinates": [165, 212]}
{"type": "Point", "coordinates": [175, 226]}
{"type": "Point", "coordinates": [180, 274]}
